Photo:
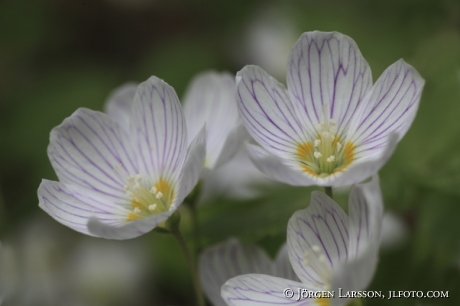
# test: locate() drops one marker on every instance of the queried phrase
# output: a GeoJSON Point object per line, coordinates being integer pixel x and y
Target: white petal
{"type": "Point", "coordinates": [365, 207]}
{"type": "Point", "coordinates": [159, 130]}
{"type": "Point", "coordinates": [128, 230]}
{"type": "Point", "coordinates": [389, 107]}
{"type": "Point", "coordinates": [367, 166]}
{"type": "Point", "coordinates": [267, 112]}
{"type": "Point", "coordinates": [355, 274]}
{"type": "Point", "coordinates": [273, 167]}
{"type": "Point", "coordinates": [317, 239]}
{"type": "Point", "coordinates": [259, 289]}
{"type": "Point", "coordinates": [119, 104]}
{"type": "Point", "coordinates": [226, 260]}
{"type": "Point", "coordinates": [87, 148]}
{"type": "Point", "coordinates": [193, 165]}
{"type": "Point", "coordinates": [210, 99]}
{"type": "Point", "coordinates": [283, 267]}
{"type": "Point", "coordinates": [74, 206]}
{"type": "Point", "coordinates": [232, 145]}
{"type": "Point", "coordinates": [327, 69]}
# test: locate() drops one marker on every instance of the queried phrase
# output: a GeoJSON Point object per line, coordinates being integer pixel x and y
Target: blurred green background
{"type": "Point", "coordinates": [58, 55]}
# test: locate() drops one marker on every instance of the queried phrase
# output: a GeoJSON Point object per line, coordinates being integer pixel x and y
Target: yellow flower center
{"type": "Point", "coordinates": [146, 200]}
{"type": "Point", "coordinates": [326, 154]}
{"type": "Point", "coordinates": [323, 302]}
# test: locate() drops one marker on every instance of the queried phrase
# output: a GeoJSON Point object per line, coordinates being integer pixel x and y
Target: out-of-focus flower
{"type": "Point", "coordinates": [210, 100]}
{"type": "Point", "coordinates": [237, 179]}
{"type": "Point", "coordinates": [228, 259]}
{"type": "Point", "coordinates": [328, 250]}
{"type": "Point", "coordinates": [45, 266]}
{"type": "Point", "coordinates": [268, 41]}
{"type": "Point", "coordinates": [117, 184]}
{"type": "Point", "coordinates": [395, 231]}
{"type": "Point", "coordinates": [331, 127]}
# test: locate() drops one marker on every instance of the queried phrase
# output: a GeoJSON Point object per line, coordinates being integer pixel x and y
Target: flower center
{"type": "Point", "coordinates": [146, 200]}
{"type": "Point", "coordinates": [327, 153]}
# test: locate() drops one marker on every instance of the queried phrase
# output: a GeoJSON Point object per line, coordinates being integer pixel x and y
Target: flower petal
{"type": "Point", "coordinates": [193, 165]}
{"type": "Point", "coordinates": [267, 112]}
{"type": "Point", "coordinates": [317, 239]}
{"type": "Point", "coordinates": [367, 166]}
{"type": "Point", "coordinates": [259, 289]}
{"type": "Point", "coordinates": [74, 206]}
{"type": "Point", "coordinates": [232, 145]}
{"type": "Point", "coordinates": [273, 167]}
{"type": "Point", "coordinates": [283, 267]}
{"type": "Point", "coordinates": [327, 69]}
{"type": "Point", "coordinates": [127, 230]}
{"type": "Point", "coordinates": [119, 104]}
{"type": "Point", "coordinates": [389, 107]}
{"type": "Point", "coordinates": [85, 150]}
{"type": "Point", "coordinates": [366, 212]}
{"type": "Point", "coordinates": [226, 260]}
{"type": "Point", "coordinates": [159, 130]}
{"type": "Point", "coordinates": [355, 274]}
{"type": "Point", "coordinates": [210, 99]}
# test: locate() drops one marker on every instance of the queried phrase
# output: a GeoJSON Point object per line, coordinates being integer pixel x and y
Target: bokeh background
{"type": "Point", "coordinates": [59, 55]}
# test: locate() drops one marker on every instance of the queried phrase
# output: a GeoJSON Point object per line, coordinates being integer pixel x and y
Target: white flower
{"type": "Point", "coordinates": [228, 259]}
{"type": "Point", "coordinates": [110, 174]}
{"type": "Point", "coordinates": [210, 99]}
{"type": "Point", "coordinates": [331, 127]}
{"type": "Point", "coordinates": [327, 249]}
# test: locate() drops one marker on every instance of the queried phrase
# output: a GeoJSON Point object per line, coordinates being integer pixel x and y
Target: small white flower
{"type": "Point", "coordinates": [330, 97]}
{"type": "Point", "coordinates": [228, 259]}
{"type": "Point", "coordinates": [210, 99]}
{"type": "Point", "coordinates": [328, 250]}
{"type": "Point", "coordinates": [110, 178]}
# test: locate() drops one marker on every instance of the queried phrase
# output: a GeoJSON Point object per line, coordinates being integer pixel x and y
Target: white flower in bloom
{"type": "Point", "coordinates": [226, 260]}
{"type": "Point", "coordinates": [328, 250]}
{"type": "Point", "coordinates": [120, 180]}
{"type": "Point", "coordinates": [210, 99]}
{"type": "Point", "coordinates": [331, 127]}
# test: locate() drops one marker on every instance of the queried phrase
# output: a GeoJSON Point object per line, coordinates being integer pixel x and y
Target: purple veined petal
{"type": "Point", "coordinates": [87, 149]}
{"type": "Point", "coordinates": [159, 131]}
{"type": "Point", "coordinates": [317, 239]}
{"type": "Point", "coordinates": [73, 206]}
{"type": "Point", "coordinates": [355, 274]}
{"type": "Point", "coordinates": [283, 267]}
{"type": "Point", "coordinates": [274, 168]}
{"type": "Point", "coordinates": [259, 289]}
{"type": "Point", "coordinates": [193, 165]}
{"type": "Point", "coordinates": [327, 68]}
{"type": "Point", "coordinates": [366, 212]}
{"type": "Point", "coordinates": [119, 104]}
{"type": "Point", "coordinates": [128, 229]}
{"type": "Point", "coordinates": [389, 107]}
{"type": "Point", "coordinates": [232, 145]}
{"type": "Point", "coordinates": [210, 99]}
{"type": "Point", "coordinates": [366, 166]}
{"type": "Point", "coordinates": [267, 112]}
{"type": "Point", "coordinates": [226, 260]}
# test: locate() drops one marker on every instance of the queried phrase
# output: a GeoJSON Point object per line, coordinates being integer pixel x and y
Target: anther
{"type": "Point", "coordinates": [317, 154]}
{"type": "Point", "coordinates": [317, 142]}
{"type": "Point", "coordinates": [330, 158]}
{"type": "Point", "coordinates": [316, 248]}
{"type": "Point", "coordinates": [137, 210]}
{"type": "Point", "coordinates": [152, 207]}
{"type": "Point", "coordinates": [159, 195]}
{"type": "Point", "coordinates": [153, 190]}
{"type": "Point", "coordinates": [339, 145]}
{"type": "Point", "coordinates": [322, 258]}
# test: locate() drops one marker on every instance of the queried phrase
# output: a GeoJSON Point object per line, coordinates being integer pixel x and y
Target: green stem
{"type": "Point", "coordinates": [192, 266]}
{"type": "Point", "coordinates": [195, 227]}
{"type": "Point", "coordinates": [328, 191]}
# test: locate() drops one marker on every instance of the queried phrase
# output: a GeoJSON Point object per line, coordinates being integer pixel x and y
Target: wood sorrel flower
{"type": "Point", "coordinates": [331, 127]}
{"type": "Point", "coordinates": [328, 250]}
{"type": "Point", "coordinates": [210, 99]}
{"type": "Point", "coordinates": [230, 258]}
{"type": "Point", "coordinates": [120, 180]}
